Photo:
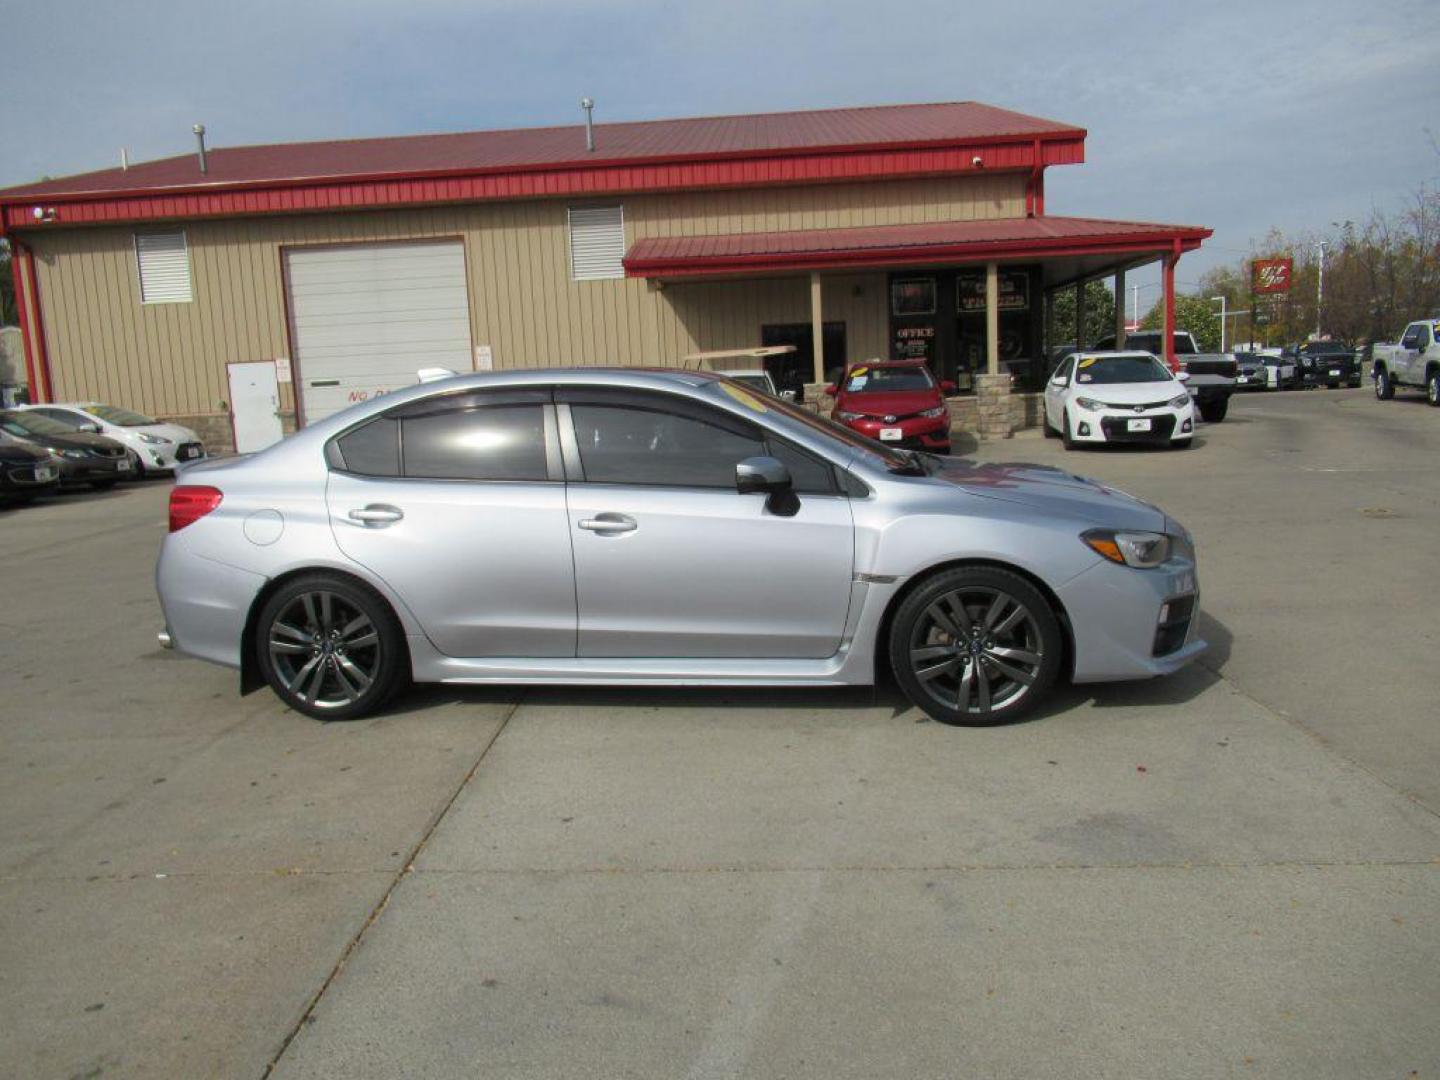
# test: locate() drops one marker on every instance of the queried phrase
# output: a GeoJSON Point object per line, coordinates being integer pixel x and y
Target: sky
{"type": "Point", "coordinates": [1236, 116]}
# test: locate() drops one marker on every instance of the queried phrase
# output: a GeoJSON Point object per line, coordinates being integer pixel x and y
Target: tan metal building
{"type": "Point", "coordinates": [336, 270]}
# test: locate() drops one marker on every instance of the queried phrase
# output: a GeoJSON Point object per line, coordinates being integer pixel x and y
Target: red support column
{"type": "Point", "coordinates": [43, 389]}
{"type": "Point", "coordinates": [22, 308]}
{"type": "Point", "coordinates": [1168, 278]}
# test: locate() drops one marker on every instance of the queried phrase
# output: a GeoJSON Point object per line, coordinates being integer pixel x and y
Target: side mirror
{"type": "Point", "coordinates": [1182, 376]}
{"type": "Point", "coordinates": [947, 386]}
{"type": "Point", "coordinates": [769, 476]}
{"type": "Point", "coordinates": [830, 389]}
{"type": "Point", "coordinates": [787, 395]}
{"type": "Point", "coordinates": [1059, 380]}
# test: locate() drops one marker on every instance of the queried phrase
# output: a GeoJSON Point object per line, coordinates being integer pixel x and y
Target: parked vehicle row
{"type": "Point", "coordinates": [50, 447]}
{"type": "Point", "coordinates": [1211, 375]}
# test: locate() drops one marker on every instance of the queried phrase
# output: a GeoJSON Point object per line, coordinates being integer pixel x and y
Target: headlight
{"type": "Point", "coordinates": [1180, 401]}
{"type": "Point", "coordinates": [1142, 550]}
{"type": "Point", "coordinates": [841, 414]}
{"type": "Point", "coordinates": [932, 414]}
{"type": "Point", "coordinates": [76, 455]}
{"type": "Point", "coordinates": [154, 440]}
{"type": "Point", "coordinates": [1090, 404]}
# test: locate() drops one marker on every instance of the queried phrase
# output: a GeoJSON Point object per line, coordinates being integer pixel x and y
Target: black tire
{"type": "Point", "coordinates": [137, 467]}
{"type": "Point", "coordinates": [1354, 383]}
{"type": "Point", "coordinates": [1384, 388]}
{"type": "Point", "coordinates": [1065, 430]}
{"type": "Point", "coordinates": [1212, 412]}
{"type": "Point", "coordinates": [979, 631]}
{"type": "Point", "coordinates": [318, 640]}
{"type": "Point", "coordinates": [102, 485]}
{"type": "Point", "coordinates": [1432, 387]}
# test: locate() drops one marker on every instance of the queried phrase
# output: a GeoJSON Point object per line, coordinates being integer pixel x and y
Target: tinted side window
{"type": "Point", "coordinates": [372, 450]}
{"type": "Point", "coordinates": [499, 442]}
{"type": "Point", "coordinates": [621, 444]}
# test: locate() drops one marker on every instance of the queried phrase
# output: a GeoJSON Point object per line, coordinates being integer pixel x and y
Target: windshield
{"type": "Point", "coordinates": [112, 414]}
{"type": "Point", "coordinates": [884, 380]}
{"type": "Point", "coordinates": [894, 460]}
{"type": "Point", "coordinates": [1120, 369]}
{"type": "Point", "coordinates": [24, 424]}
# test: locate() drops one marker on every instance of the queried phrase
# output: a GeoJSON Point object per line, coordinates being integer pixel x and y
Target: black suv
{"type": "Point", "coordinates": [1325, 363]}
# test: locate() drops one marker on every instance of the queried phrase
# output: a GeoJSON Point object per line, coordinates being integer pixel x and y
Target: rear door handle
{"type": "Point", "coordinates": [609, 523]}
{"type": "Point", "coordinates": [377, 515]}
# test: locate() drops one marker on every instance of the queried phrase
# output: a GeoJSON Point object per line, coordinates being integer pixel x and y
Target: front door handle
{"type": "Point", "coordinates": [376, 515]}
{"type": "Point", "coordinates": [609, 523]}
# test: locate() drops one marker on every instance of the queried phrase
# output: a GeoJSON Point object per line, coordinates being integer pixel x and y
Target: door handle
{"type": "Point", "coordinates": [609, 523]}
{"type": "Point", "coordinates": [376, 515]}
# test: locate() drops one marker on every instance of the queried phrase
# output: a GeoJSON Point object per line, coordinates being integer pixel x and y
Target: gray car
{"type": "Point", "coordinates": [658, 527]}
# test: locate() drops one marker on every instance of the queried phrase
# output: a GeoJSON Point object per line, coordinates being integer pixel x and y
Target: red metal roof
{"type": "Point", "coordinates": [523, 149]}
{"type": "Point", "coordinates": [947, 241]}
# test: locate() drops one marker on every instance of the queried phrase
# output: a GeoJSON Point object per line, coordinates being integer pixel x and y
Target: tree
{"type": "Point", "coordinates": [1099, 314]}
{"type": "Point", "coordinates": [1197, 314]}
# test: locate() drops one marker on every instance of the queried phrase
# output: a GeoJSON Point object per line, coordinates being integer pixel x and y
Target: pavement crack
{"type": "Point", "coordinates": [406, 869]}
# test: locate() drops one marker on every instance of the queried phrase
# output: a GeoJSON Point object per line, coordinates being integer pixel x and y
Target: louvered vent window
{"type": "Point", "coordinates": [164, 268]}
{"type": "Point", "coordinates": [597, 243]}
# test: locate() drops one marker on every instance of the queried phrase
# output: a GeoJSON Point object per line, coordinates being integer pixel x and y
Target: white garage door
{"type": "Point", "coordinates": [365, 317]}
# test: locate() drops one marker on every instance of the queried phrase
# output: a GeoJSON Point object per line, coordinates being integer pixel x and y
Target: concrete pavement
{"type": "Point", "coordinates": [1229, 873]}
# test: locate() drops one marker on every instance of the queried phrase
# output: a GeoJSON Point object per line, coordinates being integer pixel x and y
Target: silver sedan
{"type": "Point", "coordinates": [658, 527]}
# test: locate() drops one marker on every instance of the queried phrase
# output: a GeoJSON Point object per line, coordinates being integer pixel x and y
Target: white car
{"type": "Point", "coordinates": [1125, 397]}
{"type": "Point", "coordinates": [153, 446]}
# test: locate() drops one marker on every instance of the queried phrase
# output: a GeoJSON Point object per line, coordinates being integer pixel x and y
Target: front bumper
{"type": "Point", "coordinates": [915, 433]}
{"type": "Point", "coordinates": [169, 457]}
{"type": "Point", "coordinates": [1133, 624]}
{"type": "Point", "coordinates": [1118, 426]}
{"type": "Point", "coordinates": [94, 469]}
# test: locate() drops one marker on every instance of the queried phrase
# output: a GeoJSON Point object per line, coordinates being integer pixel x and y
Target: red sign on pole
{"type": "Point", "coordinates": [1270, 275]}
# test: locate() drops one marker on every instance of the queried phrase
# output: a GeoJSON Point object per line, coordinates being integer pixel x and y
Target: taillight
{"type": "Point", "coordinates": [189, 503]}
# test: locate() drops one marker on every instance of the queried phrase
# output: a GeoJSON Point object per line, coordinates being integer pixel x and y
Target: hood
{"type": "Point", "coordinates": [14, 452]}
{"type": "Point", "coordinates": [174, 432]}
{"type": "Point", "coordinates": [1131, 393]}
{"type": "Point", "coordinates": [895, 402]}
{"type": "Point", "coordinates": [1054, 491]}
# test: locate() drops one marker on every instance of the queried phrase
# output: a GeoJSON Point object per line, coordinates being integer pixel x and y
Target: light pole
{"type": "Point", "coordinates": [1320, 287]}
{"type": "Point", "coordinates": [1222, 320]}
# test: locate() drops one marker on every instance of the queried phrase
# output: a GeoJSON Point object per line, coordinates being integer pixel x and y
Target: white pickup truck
{"type": "Point", "coordinates": [1414, 363]}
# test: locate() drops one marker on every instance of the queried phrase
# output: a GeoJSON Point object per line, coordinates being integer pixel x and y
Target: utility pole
{"type": "Point", "coordinates": [1320, 287]}
{"type": "Point", "coordinates": [1222, 319]}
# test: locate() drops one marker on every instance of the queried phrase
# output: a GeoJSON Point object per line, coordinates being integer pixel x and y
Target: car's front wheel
{"type": "Point", "coordinates": [1384, 388]}
{"type": "Point", "coordinates": [1065, 436]}
{"type": "Point", "coordinates": [1212, 412]}
{"type": "Point", "coordinates": [975, 646]}
{"type": "Point", "coordinates": [329, 647]}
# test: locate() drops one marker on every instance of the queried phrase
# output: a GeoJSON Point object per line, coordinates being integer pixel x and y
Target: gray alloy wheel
{"type": "Point", "coordinates": [1432, 388]}
{"type": "Point", "coordinates": [975, 646]}
{"type": "Point", "coordinates": [329, 648]}
{"type": "Point", "coordinates": [1384, 388]}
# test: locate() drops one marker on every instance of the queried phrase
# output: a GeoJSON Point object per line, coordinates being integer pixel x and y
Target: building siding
{"type": "Point", "coordinates": [169, 359]}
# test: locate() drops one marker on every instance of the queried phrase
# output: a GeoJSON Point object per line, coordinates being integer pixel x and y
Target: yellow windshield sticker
{"type": "Point", "coordinates": [744, 397]}
{"type": "Point", "coordinates": [1088, 361]}
{"type": "Point", "coordinates": [858, 372]}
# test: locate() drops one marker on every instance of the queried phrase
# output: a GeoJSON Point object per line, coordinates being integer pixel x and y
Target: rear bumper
{"type": "Point", "coordinates": [1121, 616]}
{"type": "Point", "coordinates": [205, 602]}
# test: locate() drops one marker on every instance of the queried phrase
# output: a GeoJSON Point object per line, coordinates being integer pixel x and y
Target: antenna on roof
{"type": "Point", "coordinates": [588, 104]}
{"type": "Point", "coordinates": [199, 130]}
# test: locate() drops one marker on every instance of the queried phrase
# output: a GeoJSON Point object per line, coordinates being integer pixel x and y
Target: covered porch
{"type": "Point", "coordinates": [974, 299]}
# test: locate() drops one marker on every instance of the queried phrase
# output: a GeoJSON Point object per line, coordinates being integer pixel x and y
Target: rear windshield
{"type": "Point", "coordinates": [113, 414]}
{"type": "Point", "coordinates": [1184, 343]}
{"type": "Point", "coordinates": [1120, 369]}
{"type": "Point", "coordinates": [884, 380]}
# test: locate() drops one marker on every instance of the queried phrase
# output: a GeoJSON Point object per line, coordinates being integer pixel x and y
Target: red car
{"type": "Point", "coordinates": [897, 402]}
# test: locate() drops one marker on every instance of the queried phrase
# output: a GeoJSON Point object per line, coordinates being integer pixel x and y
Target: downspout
{"type": "Point", "coordinates": [43, 388]}
{"type": "Point", "coordinates": [1035, 184]}
{"type": "Point", "coordinates": [22, 305]}
{"type": "Point", "coordinates": [1169, 286]}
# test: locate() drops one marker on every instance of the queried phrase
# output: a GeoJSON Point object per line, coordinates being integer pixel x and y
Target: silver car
{"type": "Point", "coordinates": [583, 527]}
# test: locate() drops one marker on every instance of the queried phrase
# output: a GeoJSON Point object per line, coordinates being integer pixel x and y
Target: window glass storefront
{"type": "Point", "coordinates": [939, 317]}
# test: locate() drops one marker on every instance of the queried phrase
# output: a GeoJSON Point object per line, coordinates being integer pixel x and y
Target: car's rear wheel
{"type": "Point", "coordinates": [975, 646]}
{"type": "Point", "coordinates": [1384, 388]}
{"type": "Point", "coordinates": [1212, 412]}
{"type": "Point", "coordinates": [1432, 388]}
{"type": "Point", "coordinates": [329, 647]}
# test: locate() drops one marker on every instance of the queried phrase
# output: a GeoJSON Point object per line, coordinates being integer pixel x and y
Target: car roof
{"type": "Point", "coordinates": [1102, 354]}
{"type": "Point", "coordinates": [884, 364]}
